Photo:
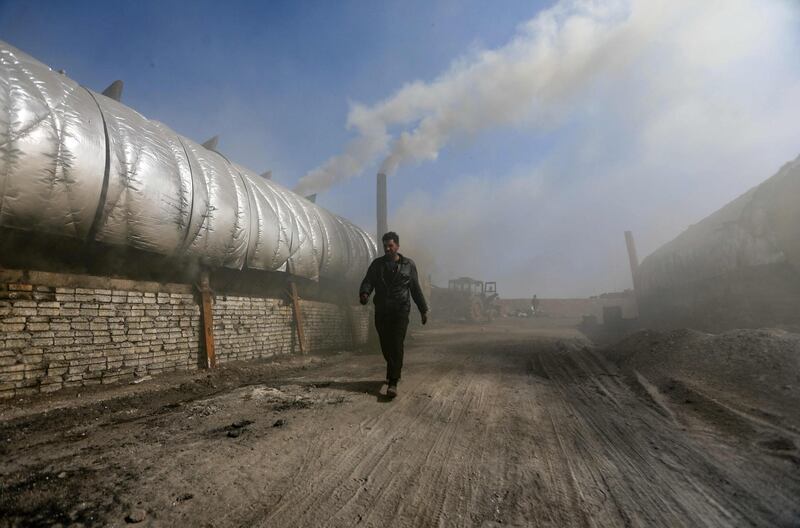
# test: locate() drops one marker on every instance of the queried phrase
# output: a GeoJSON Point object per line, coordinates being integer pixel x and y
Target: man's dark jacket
{"type": "Point", "coordinates": [392, 289]}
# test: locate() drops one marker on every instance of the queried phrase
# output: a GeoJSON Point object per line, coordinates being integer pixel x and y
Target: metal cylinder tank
{"type": "Point", "coordinates": [79, 164]}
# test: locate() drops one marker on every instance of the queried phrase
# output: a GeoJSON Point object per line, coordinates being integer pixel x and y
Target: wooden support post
{"type": "Point", "coordinates": [298, 316]}
{"type": "Point", "coordinates": [208, 319]}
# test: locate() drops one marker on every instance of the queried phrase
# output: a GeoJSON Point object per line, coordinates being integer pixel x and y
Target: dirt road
{"type": "Point", "coordinates": [504, 425]}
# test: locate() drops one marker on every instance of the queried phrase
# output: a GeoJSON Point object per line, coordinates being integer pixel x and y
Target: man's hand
{"type": "Point", "coordinates": [363, 298]}
{"type": "Point", "coordinates": [424, 317]}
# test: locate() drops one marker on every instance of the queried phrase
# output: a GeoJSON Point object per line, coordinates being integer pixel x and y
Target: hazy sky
{"type": "Point", "coordinates": [526, 136]}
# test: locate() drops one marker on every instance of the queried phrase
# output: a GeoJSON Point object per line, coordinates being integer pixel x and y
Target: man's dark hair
{"type": "Point", "coordinates": [391, 235]}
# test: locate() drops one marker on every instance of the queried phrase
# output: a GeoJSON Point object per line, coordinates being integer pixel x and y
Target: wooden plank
{"type": "Point", "coordinates": [208, 320]}
{"type": "Point", "coordinates": [298, 316]}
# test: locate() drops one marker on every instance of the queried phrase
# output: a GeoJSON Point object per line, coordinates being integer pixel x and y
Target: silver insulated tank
{"type": "Point", "coordinates": [76, 163]}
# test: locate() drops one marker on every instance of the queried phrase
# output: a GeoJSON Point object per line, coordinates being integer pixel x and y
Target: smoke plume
{"type": "Point", "coordinates": [704, 109]}
{"type": "Point", "coordinates": [554, 58]}
{"type": "Point", "coordinates": [671, 109]}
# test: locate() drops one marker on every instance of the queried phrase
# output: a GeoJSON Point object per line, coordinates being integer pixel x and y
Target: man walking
{"type": "Point", "coordinates": [393, 277]}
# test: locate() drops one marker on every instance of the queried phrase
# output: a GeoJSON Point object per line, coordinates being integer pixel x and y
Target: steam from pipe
{"type": "Point", "coordinates": [553, 58]}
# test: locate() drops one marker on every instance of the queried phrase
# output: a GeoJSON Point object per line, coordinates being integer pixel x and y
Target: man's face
{"type": "Point", "coordinates": [390, 248]}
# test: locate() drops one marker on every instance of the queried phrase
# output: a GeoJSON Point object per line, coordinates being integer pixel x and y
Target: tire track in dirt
{"type": "Point", "coordinates": [421, 459]}
{"type": "Point", "coordinates": [392, 436]}
{"type": "Point", "coordinates": [491, 428]}
{"type": "Point", "coordinates": [622, 442]}
{"type": "Point", "coordinates": [338, 476]}
{"type": "Point", "coordinates": [604, 450]}
{"type": "Point", "coordinates": [693, 489]}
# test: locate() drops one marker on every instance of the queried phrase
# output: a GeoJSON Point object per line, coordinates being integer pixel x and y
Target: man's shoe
{"type": "Point", "coordinates": [391, 390]}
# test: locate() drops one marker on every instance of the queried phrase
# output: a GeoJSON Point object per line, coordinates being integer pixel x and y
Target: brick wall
{"type": "Point", "coordinates": [61, 331]}
{"type": "Point", "coordinates": [55, 337]}
{"type": "Point", "coordinates": [327, 326]}
{"type": "Point", "coordinates": [360, 324]}
{"type": "Point", "coordinates": [252, 327]}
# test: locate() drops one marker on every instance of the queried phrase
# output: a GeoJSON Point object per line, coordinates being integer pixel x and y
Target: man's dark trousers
{"type": "Point", "coordinates": [391, 327]}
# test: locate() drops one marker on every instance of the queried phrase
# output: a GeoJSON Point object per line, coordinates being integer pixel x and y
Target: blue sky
{"type": "Point", "coordinates": [538, 201]}
{"type": "Point", "coordinates": [274, 79]}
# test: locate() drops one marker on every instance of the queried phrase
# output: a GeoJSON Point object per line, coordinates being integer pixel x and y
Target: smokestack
{"type": "Point", "coordinates": [381, 206]}
{"type": "Point", "coordinates": [632, 257]}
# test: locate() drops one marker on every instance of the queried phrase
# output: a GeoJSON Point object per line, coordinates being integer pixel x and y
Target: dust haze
{"type": "Point", "coordinates": [226, 368]}
{"type": "Point", "coordinates": [664, 110]}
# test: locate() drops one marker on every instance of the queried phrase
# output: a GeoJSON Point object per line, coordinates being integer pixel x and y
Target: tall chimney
{"type": "Point", "coordinates": [381, 206]}
{"type": "Point", "coordinates": [632, 257]}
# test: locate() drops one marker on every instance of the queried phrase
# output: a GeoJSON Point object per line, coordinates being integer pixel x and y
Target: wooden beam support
{"type": "Point", "coordinates": [208, 319]}
{"type": "Point", "coordinates": [298, 316]}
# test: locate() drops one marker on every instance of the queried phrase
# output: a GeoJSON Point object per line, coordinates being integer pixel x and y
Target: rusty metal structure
{"type": "Point", "coordinates": [79, 164]}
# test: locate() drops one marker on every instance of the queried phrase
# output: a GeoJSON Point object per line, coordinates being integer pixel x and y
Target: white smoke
{"type": "Point", "coordinates": [532, 80]}
{"type": "Point", "coordinates": [705, 109]}
{"type": "Point", "coordinates": [673, 108]}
